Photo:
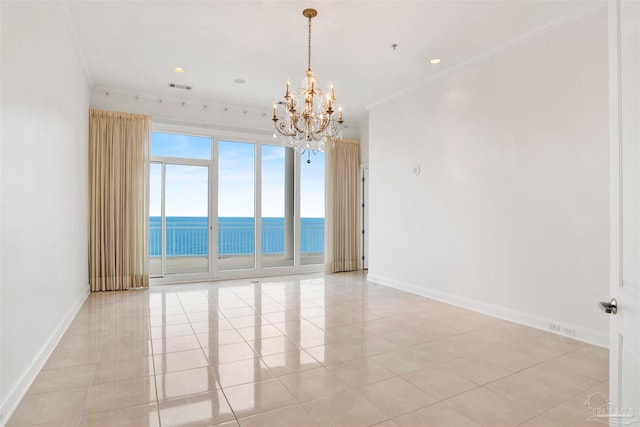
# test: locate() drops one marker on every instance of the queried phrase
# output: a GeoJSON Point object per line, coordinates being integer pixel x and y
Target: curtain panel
{"type": "Point", "coordinates": [342, 195]}
{"type": "Point", "coordinates": [118, 210]}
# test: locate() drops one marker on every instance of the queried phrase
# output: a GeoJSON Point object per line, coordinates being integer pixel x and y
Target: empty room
{"type": "Point", "coordinates": [324, 213]}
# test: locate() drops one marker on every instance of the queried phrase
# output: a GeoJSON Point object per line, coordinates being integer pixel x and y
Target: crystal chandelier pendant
{"type": "Point", "coordinates": [308, 117]}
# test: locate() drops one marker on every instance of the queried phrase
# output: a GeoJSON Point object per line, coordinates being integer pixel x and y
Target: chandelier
{"type": "Point", "coordinates": [308, 115]}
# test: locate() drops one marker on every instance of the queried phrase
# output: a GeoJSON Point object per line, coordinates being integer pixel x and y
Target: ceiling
{"type": "Point", "coordinates": [133, 46]}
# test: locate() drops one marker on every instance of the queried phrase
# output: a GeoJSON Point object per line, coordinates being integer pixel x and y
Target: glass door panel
{"type": "Point", "coordinates": [312, 208]}
{"type": "Point", "coordinates": [155, 219]}
{"type": "Point", "coordinates": [186, 218]}
{"type": "Point", "coordinates": [236, 205]}
{"type": "Point", "coordinates": [277, 206]}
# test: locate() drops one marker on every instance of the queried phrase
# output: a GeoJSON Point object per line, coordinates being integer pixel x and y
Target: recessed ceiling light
{"type": "Point", "coordinates": [435, 61]}
{"type": "Point", "coordinates": [178, 70]}
{"type": "Point", "coordinates": [240, 81]}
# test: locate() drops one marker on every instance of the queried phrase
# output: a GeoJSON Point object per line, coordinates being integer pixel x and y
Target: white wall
{"type": "Point", "coordinates": [363, 131]}
{"type": "Point", "coordinates": [44, 190]}
{"type": "Point", "coordinates": [509, 214]}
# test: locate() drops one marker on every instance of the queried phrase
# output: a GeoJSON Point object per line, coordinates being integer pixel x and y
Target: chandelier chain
{"type": "Point", "coordinates": [309, 47]}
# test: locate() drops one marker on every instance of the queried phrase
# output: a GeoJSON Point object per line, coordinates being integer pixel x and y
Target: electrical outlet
{"type": "Point", "coordinates": [569, 331]}
{"type": "Point", "coordinates": [555, 327]}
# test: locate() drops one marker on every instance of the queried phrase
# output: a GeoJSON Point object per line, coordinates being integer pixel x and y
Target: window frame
{"type": "Point", "coordinates": [258, 139]}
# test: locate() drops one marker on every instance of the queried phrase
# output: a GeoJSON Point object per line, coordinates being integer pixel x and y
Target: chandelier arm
{"type": "Point", "coordinates": [323, 124]}
{"type": "Point", "coordinates": [281, 128]}
{"type": "Point", "coordinates": [291, 105]}
{"type": "Point", "coordinates": [298, 129]}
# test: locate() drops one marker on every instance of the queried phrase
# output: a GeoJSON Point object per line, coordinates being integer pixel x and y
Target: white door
{"type": "Point", "coordinates": [624, 75]}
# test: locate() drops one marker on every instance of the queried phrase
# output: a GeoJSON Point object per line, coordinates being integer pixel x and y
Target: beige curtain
{"type": "Point", "coordinates": [342, 194]}
{"type": "Point", "coordinates": [118, 211]}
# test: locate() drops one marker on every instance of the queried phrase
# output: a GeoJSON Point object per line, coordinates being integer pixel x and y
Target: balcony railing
{"type": "Point", "coordinates": [189, 236]}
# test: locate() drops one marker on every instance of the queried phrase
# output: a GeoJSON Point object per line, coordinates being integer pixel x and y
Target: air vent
{"type": "Point", "coordinates": [177, 86]}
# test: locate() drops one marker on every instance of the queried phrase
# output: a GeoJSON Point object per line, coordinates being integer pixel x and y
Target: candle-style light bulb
{"type": "Point", "coordinates": [287, 94]}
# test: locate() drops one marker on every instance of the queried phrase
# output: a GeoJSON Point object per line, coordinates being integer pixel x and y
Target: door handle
{"type": "Point", "coordinates": [610, 307]}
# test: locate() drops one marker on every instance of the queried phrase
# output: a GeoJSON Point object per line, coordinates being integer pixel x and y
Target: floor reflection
{"type": "Point", "coordinates": [305, 350]}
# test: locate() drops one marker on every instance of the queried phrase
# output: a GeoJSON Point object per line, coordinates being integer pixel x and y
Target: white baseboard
{"type": "Point", "coordinates": [581, 334]}
{"type": "Point", "coordinates": [20, 389]}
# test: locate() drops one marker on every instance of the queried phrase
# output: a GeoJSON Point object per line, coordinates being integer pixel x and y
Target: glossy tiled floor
{"type": "Point", "coordinates": [305, 351]}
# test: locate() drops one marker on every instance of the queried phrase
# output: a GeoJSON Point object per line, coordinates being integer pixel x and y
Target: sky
{"type": "Point", "coordinates": [186, 186]}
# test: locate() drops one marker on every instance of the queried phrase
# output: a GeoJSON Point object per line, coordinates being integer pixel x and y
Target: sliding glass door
{"type": "Point", "coordinates": [186, 218]}
{"type": "Point", "coordinates": [225, 208]}
{"type": "Point", "coordinates": [156, 240]}
{"type": "Point", "coordinates": [236, 206]}
{"type": "Point", "coordinates": [178, 219]}
{"type": "Point", "coordinates": [179, 229]}
{"type": "Point", "coordinates": [277, 207]}
{"type": "Point", "coordinates": [312, 209]}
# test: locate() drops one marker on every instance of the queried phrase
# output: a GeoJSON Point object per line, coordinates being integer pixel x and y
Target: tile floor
{"type": "Point", "coordinates": [313, 350]}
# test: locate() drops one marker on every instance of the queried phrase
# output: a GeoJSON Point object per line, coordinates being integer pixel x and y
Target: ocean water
{"type": "Point", "coordinates": [188, 236]}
